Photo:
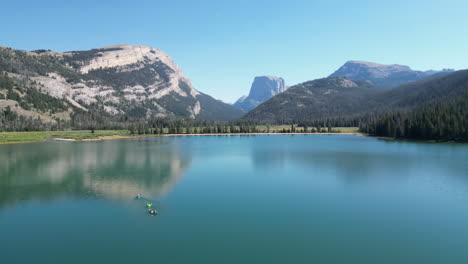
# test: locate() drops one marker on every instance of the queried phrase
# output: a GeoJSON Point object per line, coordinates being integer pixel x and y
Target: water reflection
{"type": "Point", "coordinates": [121, 169]}
{"type": "Point", "coordinates": [349, 167]}
{"type": "Point", "coordinates": [356, 160]}
{"type": "Point", "coordinates": [110, 169]}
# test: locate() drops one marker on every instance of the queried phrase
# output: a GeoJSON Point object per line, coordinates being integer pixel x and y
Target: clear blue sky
{"type": "Point", "coordinates": [222, 45]}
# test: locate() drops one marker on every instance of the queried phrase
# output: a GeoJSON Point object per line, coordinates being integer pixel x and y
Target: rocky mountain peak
{"type": "Point", "coordinates": [130, 80]}
{"type": "Point", "coordinates": [262, 89]}
{"type": "Point", "coordinates": [375, 70]}
{"type": "Point", "coordinates": [265, 87]}
{"type": "Point", "coordinates": [383, 75]}
{"type": "Point", "coordinates": [127, 58]}
{"type": "Point", "coordinates": [122, 55]}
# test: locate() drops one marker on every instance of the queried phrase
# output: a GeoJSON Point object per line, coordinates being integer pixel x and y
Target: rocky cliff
{"type": "Point", "coordinates": [263, 88]}
{"type": "Point", "coordinates": [124, 80]}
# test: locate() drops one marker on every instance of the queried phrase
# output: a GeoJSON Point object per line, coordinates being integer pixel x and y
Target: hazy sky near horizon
{"type": "Point", "coordinates": [222, 45]}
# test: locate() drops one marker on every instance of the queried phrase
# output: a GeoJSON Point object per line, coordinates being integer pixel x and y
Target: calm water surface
{"type": "Point", "coordinates": [234, 199]}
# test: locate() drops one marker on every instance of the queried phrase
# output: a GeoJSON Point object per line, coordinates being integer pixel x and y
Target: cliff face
{"type": "Point", "coordinates": [127, 58]}
{"type": "Point", "coordinates": [263, 88]}
{"type": "Point", "coordinates": [125, 80]}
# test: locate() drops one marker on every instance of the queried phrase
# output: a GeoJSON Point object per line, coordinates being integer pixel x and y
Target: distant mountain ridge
{"type": "Point", "coordinates": [383, 75]}
{"type": "Point", "coordinates": [132, 81]}
{"type": "Point", "coordinates": [326, 97]}
{"type": "Point", "coordinates": [262, 89]}
{"type": "Point", "coordinates": [339, 97]}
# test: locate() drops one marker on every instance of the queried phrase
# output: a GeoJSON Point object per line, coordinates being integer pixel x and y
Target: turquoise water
{"type": "Point", "coordinates": [234, 199]}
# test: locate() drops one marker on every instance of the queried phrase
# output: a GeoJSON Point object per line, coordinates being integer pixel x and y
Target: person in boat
{"type": "Point", "coordinates": [148, 205]}
{"type": "Point", "coordinates": [138, 196]}
{"type": "Point", "coordinates": [152, 212]}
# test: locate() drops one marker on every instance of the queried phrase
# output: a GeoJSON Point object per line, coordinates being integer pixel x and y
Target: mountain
{"type": "Point", "coordinates": [127, 81]}
{"type": "Point", "coordinates": [435, 109]}
{"type": "Point", "coordinates": [363, 74]}
{"type": "Point", "coordinates": [263, 88]}
{"type": "Point", "coordinates": [386, 76]}
{"type": "Point", "coordinates": [339, 97]}
{"type": "Point", "coordinates": [437, 89]}
{"type": "Point", "coordinates": [327, 97]}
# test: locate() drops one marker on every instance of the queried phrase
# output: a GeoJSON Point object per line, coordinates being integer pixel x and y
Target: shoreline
{"type": "Point", "coordinates": [432, 141]}
{"type": "Point", "coordinates": [119, 137]}
{"type": "Point", "coordinates": [192, 135]}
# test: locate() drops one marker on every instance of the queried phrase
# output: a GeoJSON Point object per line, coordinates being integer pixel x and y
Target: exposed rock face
{"type": "Point", "coordinates": [129, 58]}
{"type": "Point", "coordinates": [122, 79]}
{"type": "Point", "coordinates": [386, 76]}
{"type": "Point", "coordinates": [263, 88]}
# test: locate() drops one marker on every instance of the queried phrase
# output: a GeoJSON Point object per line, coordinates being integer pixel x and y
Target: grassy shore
{"type": "Point", "coordinates": [85, 135]}
{"type": "Point", "coordinates": [37, 136]}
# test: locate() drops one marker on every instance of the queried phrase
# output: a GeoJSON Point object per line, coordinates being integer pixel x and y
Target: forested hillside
{"type": "Point", "coordinates": [441, 120]}
{"type": "Point", "coordinates": [319, 99]}
{"type": "Point", "coordinates": [435, 109]}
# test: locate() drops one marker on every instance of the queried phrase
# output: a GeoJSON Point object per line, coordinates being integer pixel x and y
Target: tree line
{"type": "Point", "coordinates": [193, 126]}
{"type": "Point", "coordinates": [440, 121]}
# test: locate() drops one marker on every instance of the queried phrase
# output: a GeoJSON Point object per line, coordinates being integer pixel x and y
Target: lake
{"type": "Point", "coordinates": [234, 199]}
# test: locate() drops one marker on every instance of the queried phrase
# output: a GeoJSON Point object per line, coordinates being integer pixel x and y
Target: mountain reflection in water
{"type": "Point", "coordinates": [109, 169]}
